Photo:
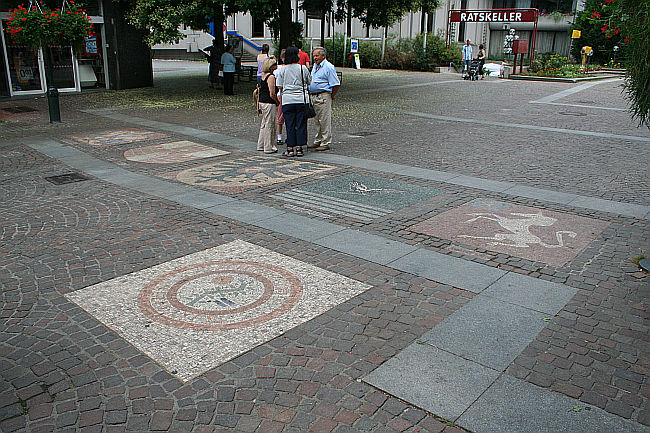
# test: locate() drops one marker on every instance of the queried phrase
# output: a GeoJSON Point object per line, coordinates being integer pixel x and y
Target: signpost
{"type": "Point", "coordinates": [495, 16]}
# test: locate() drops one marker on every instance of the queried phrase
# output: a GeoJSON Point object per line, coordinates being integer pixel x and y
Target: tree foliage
{"type": "Point", "coordinates": [633, 18]}
{"type": "Point", "coordinates": [625, 23]}
{"type": "Point", "coordinates": [590, 22]}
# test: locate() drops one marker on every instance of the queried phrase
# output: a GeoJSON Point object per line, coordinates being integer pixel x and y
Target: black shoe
{"type": "Point", "coordinates": [280, 143]}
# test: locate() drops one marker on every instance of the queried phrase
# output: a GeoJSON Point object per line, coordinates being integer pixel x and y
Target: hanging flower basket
{"type": "Point", "coordinates": [39, 26]}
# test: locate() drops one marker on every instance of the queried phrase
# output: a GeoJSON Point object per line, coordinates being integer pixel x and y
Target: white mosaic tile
{"type": "Point", "coordinates": [198, 311]}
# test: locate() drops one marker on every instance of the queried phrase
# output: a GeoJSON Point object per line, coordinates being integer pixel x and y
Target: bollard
{"type": "Point", "coordinates": [53, 104]}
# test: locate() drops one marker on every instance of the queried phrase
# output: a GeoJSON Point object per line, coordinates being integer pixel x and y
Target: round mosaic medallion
{"type": "Point", "coordinates": [220, 295]}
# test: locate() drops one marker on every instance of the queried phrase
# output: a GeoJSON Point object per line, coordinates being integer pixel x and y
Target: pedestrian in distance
{"type": "Point", "coordinates": [481, 58]}
{"type": "Point", "coordinates": [228, 62]}
{"type": "Point", "coordinates": [304, 57]}
{"type": "Point", "coordinates": [260, 61]}
{"type": "Point", "coordinates": [292, 80]}
{"type": "Point", "coordinates": [268, 102]}
{"type": "Point", "coordinates": [323, 88]}
{"type": "Point", "coordinates": [467, 56]}
{"type": "Point", "coordinates": [213, 56]}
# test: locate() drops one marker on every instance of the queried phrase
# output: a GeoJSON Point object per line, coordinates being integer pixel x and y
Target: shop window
{"type": "Point", "coordinates": [91, 62]}
{"type": "Point", "coordinates": [24, 69]}
{"type": "Point", "coordinates": [258, 27]}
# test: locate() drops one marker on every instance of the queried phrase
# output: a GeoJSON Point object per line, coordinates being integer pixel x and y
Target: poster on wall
{"type": "Point", "coordinates": [90, 46]}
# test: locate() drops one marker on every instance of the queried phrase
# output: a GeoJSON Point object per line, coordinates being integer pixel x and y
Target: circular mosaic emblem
{"type": "Point", "coordinates": [220, 295]}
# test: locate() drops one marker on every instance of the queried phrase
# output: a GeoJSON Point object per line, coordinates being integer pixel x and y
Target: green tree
{"type": "Point", "coordinates": [624, 23]}
{"type": "Point", "coordinates": [631, 19]}
{"type": "Point", "coordinates": [591, 22]}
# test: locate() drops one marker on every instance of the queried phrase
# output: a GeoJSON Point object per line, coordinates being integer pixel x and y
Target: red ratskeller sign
{"type": "Point", "coordinates": [493, 16]}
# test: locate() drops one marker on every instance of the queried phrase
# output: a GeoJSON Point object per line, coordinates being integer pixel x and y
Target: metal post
{"type": "Point", "coordinates": [52, 92]}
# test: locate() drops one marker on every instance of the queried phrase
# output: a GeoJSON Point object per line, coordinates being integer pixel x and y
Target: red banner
{"type": "Point", "coordinates": [494, 16]}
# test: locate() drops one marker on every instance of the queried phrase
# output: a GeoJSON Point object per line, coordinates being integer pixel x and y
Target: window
{"type": "Point", "coordinates": [258, 27]}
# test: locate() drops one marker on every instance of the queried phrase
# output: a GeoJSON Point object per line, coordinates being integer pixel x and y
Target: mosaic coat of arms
{"type": "Point", "coordinates": [521, 231]}
{"type": "Point", "coordinates": [113, 138]}
{"type": "Point", "coordinates": [168, 153]}
{"type": "Point", "coordinates": [192, 313]}
{"type": "Point", "coordinates": [240, 174]}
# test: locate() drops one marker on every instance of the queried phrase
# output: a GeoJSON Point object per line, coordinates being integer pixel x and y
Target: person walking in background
{"type": "Point", "coordinates": [213, 57]}
{"type": "Point", "coordinates": [467, 56]}
{"type": "Point", "coordinates": [228, 63]}
{"type": "Point", "coordinates": [481, 58]}
{"type": "Point", "coordinates": [280, 116]}
{"type": "Point", "coordinates": [260, 61]}
{"type": "Point", "coordinates": [304, 57]}
{"type": "Point", "coordinates": [293, 80]}
{"type": "Point", "coordinates": [268, 102]}
{"type": "Point", "coordinates": [324, 85]}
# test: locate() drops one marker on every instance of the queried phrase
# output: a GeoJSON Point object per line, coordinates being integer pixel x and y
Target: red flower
{"type": "Point", "coordinates": [595, 14]}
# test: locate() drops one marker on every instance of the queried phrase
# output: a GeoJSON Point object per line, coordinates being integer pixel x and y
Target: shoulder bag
{"type": "Point", "coordinates": [310, 112]}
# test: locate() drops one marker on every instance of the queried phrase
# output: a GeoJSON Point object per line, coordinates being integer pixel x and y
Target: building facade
{"type": "Point", "coordinates": [556, 17]}
{"type": "Point", "coordinates": [115, 57]}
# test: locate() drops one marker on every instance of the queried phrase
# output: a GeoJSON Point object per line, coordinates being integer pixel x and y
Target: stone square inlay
{"type": "Point", "coordinates": [198, 311]}
{"type": "Point", "coordinates": [112, 138]}
{"type": "Point", "coordinates": [358, 196]}
{"type": "Point", "coordinates": [239, 174]}
{"type": "Point", "coordinates": [169, 153]}
{"type": "Point", "coordinates": [521, 231]}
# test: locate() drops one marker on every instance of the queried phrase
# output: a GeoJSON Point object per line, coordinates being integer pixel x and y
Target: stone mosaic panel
{"type": "Point", "coordinates": [198, 311]}
{"type": "Point", "coordinates": [521, 231]}
{"type": "Point", "coordinates": [357, 196]}
{"type": "Point", "coordinates": [169, 153]}
{"type": "Point", "coordinates": [239, 174]}
{"type": "Point", "coordinates": [112, 138]}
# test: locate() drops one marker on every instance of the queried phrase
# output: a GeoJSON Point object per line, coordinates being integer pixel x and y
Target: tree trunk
{"type": "Point", "coordinates": [348, 35]}
{"type": "Point", "coordinates": [285, 23]}
{"type": "Point", "coordinates": [383, 44]}
{"type": "Point", "coordinates": [218, 21]}
{"type": "Point", "coordinates": [322, 29]}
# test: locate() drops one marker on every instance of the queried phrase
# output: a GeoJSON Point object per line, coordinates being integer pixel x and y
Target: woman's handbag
{"type": "Point", "coordinates": [310, 112]}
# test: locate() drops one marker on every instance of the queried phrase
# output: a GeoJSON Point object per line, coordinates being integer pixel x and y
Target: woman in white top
{"type": "Point", "coordinates": [293, 80]}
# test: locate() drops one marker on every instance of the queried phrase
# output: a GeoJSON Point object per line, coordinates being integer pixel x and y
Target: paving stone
{"type": "Point", "coordinates": [128, 218]}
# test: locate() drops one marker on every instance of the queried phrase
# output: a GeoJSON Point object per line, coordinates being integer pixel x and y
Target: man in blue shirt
{"type": "Point", "coordinates": [323, 88]}
{"type": "Point", "coordinates": [467, 56]}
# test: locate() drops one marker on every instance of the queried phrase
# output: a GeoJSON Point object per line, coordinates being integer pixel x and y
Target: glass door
{"type": "Point", "coordinates": [64, 70]}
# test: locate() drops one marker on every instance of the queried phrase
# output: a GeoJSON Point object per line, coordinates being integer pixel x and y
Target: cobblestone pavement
{"type": "Point", "coordinates": [64, 370]}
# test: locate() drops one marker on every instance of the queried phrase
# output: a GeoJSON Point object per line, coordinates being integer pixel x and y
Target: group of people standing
{"type": "Point", "coordinates": [287, 86]}
{"type": "Point", "coordinates": [467, 58]}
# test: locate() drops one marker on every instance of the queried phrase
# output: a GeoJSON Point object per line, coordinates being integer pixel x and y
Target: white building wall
{"type": "Point", "coordinates": [408, 27]}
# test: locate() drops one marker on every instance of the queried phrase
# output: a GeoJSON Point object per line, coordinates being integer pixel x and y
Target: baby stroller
{"type": "Point", "coordinates": [473, 72]}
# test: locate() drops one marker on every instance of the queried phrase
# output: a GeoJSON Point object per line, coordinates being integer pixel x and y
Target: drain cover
{"type": "Point", "coordinates": [362, 134]}
{"type": "Point", "coordinates": [67, 178]}
{"type": "Point", "coordinates": [19, 109]}
{"type": "Point", "coordinates": [572, 113]}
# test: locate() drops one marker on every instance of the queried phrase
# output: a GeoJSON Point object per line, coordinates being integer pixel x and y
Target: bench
{"type": "Point", "coordinates": [247, 72]}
